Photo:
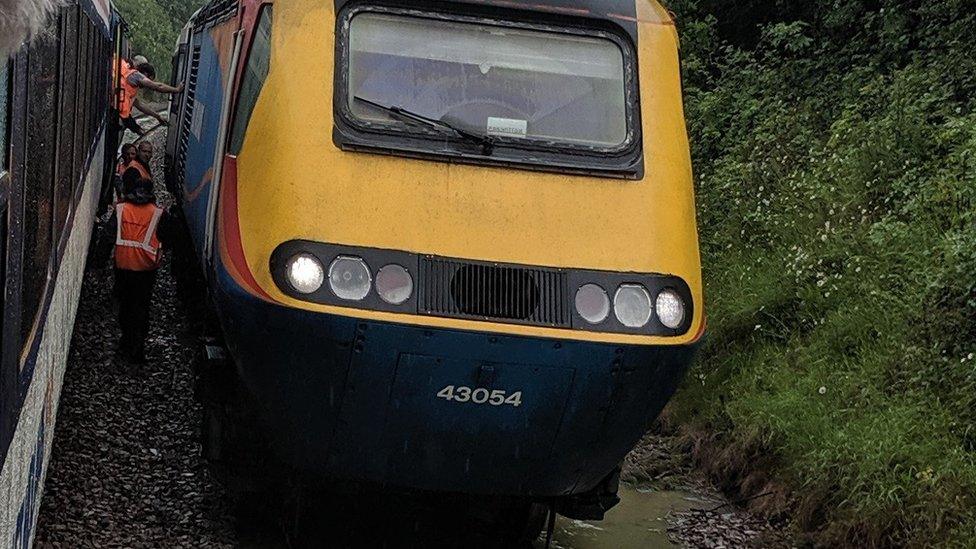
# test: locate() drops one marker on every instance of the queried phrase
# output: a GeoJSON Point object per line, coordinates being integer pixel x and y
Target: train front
{"type": "Point", "coordinates": [457, 249]}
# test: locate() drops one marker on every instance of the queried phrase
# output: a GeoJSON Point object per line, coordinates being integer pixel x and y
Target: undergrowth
{"type": "Point", "coordinates": [835, 151]}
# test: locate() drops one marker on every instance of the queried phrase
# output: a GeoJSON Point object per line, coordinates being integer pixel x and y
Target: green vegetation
{"type": "Point", "coordinates": [154, 26]}
{"type": "Point", "coordinates": [835, 151]}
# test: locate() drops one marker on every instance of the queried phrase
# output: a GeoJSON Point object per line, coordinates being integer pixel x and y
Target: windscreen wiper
{"type": "Point", "coordinates": [486, 141]}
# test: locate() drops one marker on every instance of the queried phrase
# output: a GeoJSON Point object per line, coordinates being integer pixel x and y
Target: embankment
{"type": "Point", "coordinates": [835, 154]}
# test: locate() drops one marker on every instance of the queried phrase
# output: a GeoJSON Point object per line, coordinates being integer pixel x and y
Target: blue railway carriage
{"type": "Point", "coordinates": [55, 98]}
{"type": "Point", "coordinates": [452, 245]}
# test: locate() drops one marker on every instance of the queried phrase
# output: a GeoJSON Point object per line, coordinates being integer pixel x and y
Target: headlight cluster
{"type": "Point", "coordinates": [633, 306]}
{"type": "Point", "coordinates": [350, 278]}
{"type": "Point", "coordinates": [404, 282]}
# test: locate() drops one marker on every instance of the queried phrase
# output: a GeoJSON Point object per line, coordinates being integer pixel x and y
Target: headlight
{"type": "Point", "coordinates": [632, 306]}
{"type": "Point", "coordinates": [394, 284]}
{"type": "Point", "coordinates": [670, 309]}
{"type": "Point", "coordinates": [349, 278]}
{"type": "Point", "coordinates": [305, 273]}
{"type": "Point", "coordinates": [592, 303]}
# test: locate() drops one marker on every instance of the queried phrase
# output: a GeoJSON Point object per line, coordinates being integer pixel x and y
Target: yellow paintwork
{"type": "Point", "coordinates": [294, 183]}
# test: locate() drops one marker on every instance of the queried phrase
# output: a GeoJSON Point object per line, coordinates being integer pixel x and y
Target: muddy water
{"type": "Point", "coordinates": [640, 520]}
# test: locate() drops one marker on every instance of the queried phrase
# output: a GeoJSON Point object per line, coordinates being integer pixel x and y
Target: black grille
{"type": "Point", "coordinates": [215, 11]}
{"type": "Point", "coordinates": [524, 295]}
{"type": "Point", "coordinates": [188, 104]}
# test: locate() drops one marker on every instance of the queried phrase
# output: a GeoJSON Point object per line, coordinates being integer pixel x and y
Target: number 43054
{"type": "Point", "coordinates": [496, 397]}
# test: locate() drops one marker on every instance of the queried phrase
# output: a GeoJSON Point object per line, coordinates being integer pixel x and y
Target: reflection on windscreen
{"type": "Point", "coordinates": [501, 81]}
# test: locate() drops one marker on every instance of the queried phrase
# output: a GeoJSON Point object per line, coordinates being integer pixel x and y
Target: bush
{"type": "Point", "coordinates": [154, 26]}
{"type": "Point", "coordinates": [835, 151]}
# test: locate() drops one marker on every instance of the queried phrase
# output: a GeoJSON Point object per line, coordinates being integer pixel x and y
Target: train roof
{"type": "Point", "coordinates": [622, 13]}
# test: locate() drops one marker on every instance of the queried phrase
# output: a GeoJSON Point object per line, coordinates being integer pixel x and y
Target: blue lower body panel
{"type": "Point", "coordinates": [345, 399]}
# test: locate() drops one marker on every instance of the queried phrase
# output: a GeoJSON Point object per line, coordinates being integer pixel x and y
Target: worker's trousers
{"type": "Point", "coordinates": [133, 290]}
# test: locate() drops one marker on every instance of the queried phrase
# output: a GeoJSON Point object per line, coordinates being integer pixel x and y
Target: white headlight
{"type": "Point", "coordinates": [305, 273]}
{"type": "Point", "coordinates": [592, 303]}
{"type": "Point", "coordinates": [349, 278]}
{"type": "Point", "coordinates": [670, 309]}
{"type": "Point", "coordinates": [394, 284]}
{"type": "Point", "coordinates": [632, 306]}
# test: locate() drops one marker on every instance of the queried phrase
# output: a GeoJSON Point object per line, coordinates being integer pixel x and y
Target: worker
{"type": "Point", "coordinates": [141, 229]}
{"type": "Point", "coordinates": [140, 166]}
{"type": "Point", "coordinates": [128, 155]}
{"type": "Point", "coordinates": [134, 78]}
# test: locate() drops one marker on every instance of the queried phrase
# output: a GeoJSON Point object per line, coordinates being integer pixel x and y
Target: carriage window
{"type": "Point", "coordinates": [42, 93]}
{"type": "Point", "coordinates": [505, 82]}
{"type": "Point", "coordinates": [254, 76]}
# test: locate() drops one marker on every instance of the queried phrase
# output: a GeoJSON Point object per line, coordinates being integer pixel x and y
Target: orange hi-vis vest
{"type": "Point", "coordinates": [117, 94]}
{"type": "Point", "coordinates": [136, 243]}
{"type": "Point", "coordinates": [143, 172]}
{"type": "Point", "coordinates": [128, 95]}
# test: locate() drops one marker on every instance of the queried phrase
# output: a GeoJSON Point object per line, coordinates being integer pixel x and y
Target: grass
{"type": "Point", "coordinates": [836, 163]}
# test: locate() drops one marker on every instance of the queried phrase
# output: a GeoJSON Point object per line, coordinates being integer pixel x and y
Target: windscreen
{"type": "Point", "coordinates": [508, 82]}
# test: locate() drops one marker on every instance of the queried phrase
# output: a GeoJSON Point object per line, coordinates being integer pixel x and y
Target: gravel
{"type": "Point", "coordinates": [126, 468]}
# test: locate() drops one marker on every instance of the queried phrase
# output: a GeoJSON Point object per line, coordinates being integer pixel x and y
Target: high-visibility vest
{"type": "Point", "coordinates": [135, 163]}
{"type": "Point", "coordinates": [136, 242]}
{"type": "Point", "coordinates": [117, 93]}
{"type": "Point", "coordinates": [128, 95]}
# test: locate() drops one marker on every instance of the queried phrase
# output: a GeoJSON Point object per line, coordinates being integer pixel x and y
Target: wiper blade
{"type": "Point", "coordinates": [486, 141]}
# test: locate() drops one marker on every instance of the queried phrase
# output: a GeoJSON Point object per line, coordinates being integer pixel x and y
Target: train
{"type": "Point", "coordinates": [56, 115]}
{"type": "Point", "coordinates": [452, 246]}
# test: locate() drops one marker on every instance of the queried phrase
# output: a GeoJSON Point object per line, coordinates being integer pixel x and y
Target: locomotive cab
{"type": "Point", "coordinates": [452, 245]}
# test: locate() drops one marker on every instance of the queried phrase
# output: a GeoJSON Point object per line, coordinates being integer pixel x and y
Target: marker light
{"type": "Point", "coordinates": [670, 309]}
{"type": "Point", "coordinates": [632, 305]}
{"type": "Point", "coordinates": [305, 273]}
{"type": "Point", "coordinates": [394, 284]}
{"type": "Point", "coordinates": [592, 303]}
{"type": "Point", "coordinates": [349, 278]}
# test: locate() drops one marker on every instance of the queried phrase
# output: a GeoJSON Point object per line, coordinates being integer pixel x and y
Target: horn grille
{"type": "Point", "coordinates": [489, 291]}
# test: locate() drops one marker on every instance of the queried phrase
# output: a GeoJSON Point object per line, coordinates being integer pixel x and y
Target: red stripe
{"type": "Point", "coordinates": [231, 229]}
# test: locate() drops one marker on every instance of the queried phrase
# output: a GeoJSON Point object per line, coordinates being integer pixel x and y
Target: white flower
{"type": "Point", "coordinates": [823, 390]}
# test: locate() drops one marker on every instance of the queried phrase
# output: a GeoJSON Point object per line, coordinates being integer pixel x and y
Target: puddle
{"type": "Point", "coordinates": [639, 520]}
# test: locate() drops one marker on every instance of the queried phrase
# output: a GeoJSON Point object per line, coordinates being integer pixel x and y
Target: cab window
{"type": "Point", "coordinates": [253, 80]}
{"type": "Point", "coordinates": [519, 84]}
